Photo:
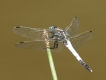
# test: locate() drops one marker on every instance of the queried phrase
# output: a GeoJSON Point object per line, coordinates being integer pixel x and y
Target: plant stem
{"type": "Point", "coordinates": [45, 36]}
{"type": "Point", "coordinates": [52, 67]}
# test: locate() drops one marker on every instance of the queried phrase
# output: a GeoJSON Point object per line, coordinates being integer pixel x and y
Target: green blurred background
{"type": "Point", "coordinates": [28, 64]}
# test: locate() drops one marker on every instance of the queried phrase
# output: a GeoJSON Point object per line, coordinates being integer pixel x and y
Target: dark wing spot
{"type": "Point", "coordinates": [21, 42]}
{"type": "Point", "coordinates": [90, 31]}
{"type": "Point", "coordinates": [75, 17]}
{"type": "Point", "coordinates": [17, 26]}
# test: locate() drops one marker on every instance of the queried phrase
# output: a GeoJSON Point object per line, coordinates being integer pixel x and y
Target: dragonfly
{"type": "Point", "coordinates": [57, 38]}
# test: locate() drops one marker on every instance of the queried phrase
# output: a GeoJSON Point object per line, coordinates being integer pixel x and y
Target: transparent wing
{"type": "Point", "coordinates": [32, 33]}
{"type": "Point", "coordinates": [31, 44]}
{"type": "Point", "coordinates": [73, 27]}
{"type": "Point", "coordinates": [39, 45]}
{"type": "Point", "coordinates": [80, 39]}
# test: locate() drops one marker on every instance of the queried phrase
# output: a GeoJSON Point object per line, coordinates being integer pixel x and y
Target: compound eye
{"type": "Point", "coordinates": [50, 27]}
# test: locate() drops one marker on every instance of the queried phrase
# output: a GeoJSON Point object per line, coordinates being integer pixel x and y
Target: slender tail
{"type": "Point", "coordinates": [76, 55]}
{"type": "Point", "coordinates": [85, 65]}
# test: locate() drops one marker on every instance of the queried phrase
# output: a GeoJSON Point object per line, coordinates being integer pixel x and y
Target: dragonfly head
{"type": "Point", "coordinates": [52, 28]}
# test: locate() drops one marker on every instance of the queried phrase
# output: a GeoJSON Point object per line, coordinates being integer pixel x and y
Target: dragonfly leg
{"type": "Point", "coordinates": [55, 45]}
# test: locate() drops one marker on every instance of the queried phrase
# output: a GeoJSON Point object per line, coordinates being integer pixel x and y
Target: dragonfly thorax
{"type": "Point", "coordinates": [54, 29]}
{"type": "Point", "coordinates": [57, 33]}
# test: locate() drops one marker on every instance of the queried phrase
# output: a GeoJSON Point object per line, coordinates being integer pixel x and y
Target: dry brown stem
{"type": "Point", "coordinates": [45, 37]}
